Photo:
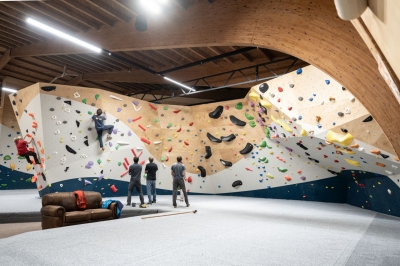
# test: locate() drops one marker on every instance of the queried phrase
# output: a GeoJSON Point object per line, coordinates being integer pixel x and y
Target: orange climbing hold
{"type": "Point", "coordinates": [40, 187]}
{"type": "Point", "coordinates": [318, 118]}
{"type": "Point", "coordinates": [396, 158]}
{"type": "Point", "coordinates": [136, 119]}
{"type": "Point", "coordinates": [31, 115]}
{"type": "Point", "coordinates": [380, 164]}
{"type": "Point", "coordinates": [288, 178]}
{"type": "Point", "coordinates": [191, 124]}
{"type": "Point", "coordinates": [377, 152]}
{"type": "Point", "coordinates": [248, 169]}
{"type": "Point", "coordinates": [114, 189]}
{"type": "Point", "coordinates": [355, 145]}
{"type": "Point", "coordinates": [145, 140]}
{"type": "Point", "coordinates": [144, 129]}
{"type": "Point", "coordinates": [299, 171]}
{"type": "Point", "coordinates": [34, 179]}
{"type": "Point", "coordinates": [176, 111]}
{"type": "Point", "coordinates": [152, 107]}
{"type": "Point", "coordinates": [170, 149]}
{"type": "Point", "coordinates": [179, 130]}
{"type": "Point", "coordinates": [39, 143]}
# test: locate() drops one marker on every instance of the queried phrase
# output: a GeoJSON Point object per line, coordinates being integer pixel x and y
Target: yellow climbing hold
{"type": "Point", "coordinates": [283, 124]}
{"type": "Point", "coordinates": [270, 176]}
{"type": "Point", "coordinates": [352, 162]}
{"type": "Point", "coordinates": [12, 166]}
{"type": "Point", "coordinates": [345, 140]}
{"type": "Point", "coordinates": [254, 96]}
{"type": "Point", "coordinates": [303, 133]}
{"type": "Point", "coordinates": [28, 167]}
{"type": "Point", "coordinates": [266, 103]}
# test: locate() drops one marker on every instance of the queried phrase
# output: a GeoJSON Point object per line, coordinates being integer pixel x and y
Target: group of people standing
{"type": "Point", "coordinates": [178, 173]}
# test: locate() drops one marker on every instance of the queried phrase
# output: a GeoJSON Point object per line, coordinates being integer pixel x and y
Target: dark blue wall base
{"type": "Point", "coordinates": [331, 189]}
{"type": "Point", "coordinates": [14, 179]}
{"type": "Point", "coordinates": [370, 191]}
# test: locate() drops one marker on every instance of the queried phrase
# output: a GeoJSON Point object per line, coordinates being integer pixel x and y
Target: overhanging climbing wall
{"type": "Point", "coordinates": [288, 133]}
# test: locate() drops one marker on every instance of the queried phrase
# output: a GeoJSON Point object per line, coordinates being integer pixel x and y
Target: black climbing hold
{"type": "Point", "coordinates": [16, 113]}
{"type": "Point", "coordinates": [27, 131]}
{"type": "Point", "coordinates": [262, 119]}
{"type": "Point", "coordinates": [13, 102]}
{"type": "Point", "coordinates": [343, 88]}
{"type": "Point", "coordinates": [368, 119]}
{"type": "Point", "coordinates": [340, 114]}
{"type": "Point", "coordinates": [101, 171]}
{"type": "Point", "coordinates": [307, 153]}
{"type": "Point", "coordinates": [20, 100]}
{"type": "Point", "coordinates": [225, 163]}
{"type": "Point", "coordinates": [26, 111]}
{"type": "Point", "coordinates": [237, 183]}
{"type": "Point", "coordinates": [202, 171]}
{"type": "Point", "coordinates": [86, 143]}
{"type": "Point", "coordinates": [263, 87]}
{"type": "Point", "coordinates": [213, 139]}
{"type": "Point", "coordinates": [344, 130]}
{"type": "Point", "coordinates": [77, 123]}
{"type": "Point", "coordinates": [69, 149]}
{"type": "Point", "coordinates": [116, 120]}
{"type": "Point", "coordinates": [228, 138]}
{"type": "Point", "coordinates": [311, 159]}
{"type": "Point", "coordinates": [247, 149]}
{"type": "Point", "coordinates": [384, 156]}
{"type": "Point", "coordinates": [283, 135]}
{"type": "Point", "coordinates": [301, 146]}
{"type": "Point", "coordinates": [125, 105]}
{"type": "Point", "coordinates": [261, 97]}
{"type": "Point", "coordinates": [236, 121]}
{"type": "Point", "coordinates": [52, 109]}
{"type": "Point", "coordinates": [333, 172]}
{"type": "Point", "coordinates": [77, 111]}
{"type": "Point", "coordinates": [263, 108]}
{"type": "Point", "coordinates": [93, 104]}
{"type": "Point", "coordinates": [86, 137]}
{"type": "Point", "coordinates": [68, 102]}
{"type": "Point", "coordinates": [58, 98]}
{"type": "Point", "coordinates": [217, 112]}
{"type": "Point", "coordinates": [291, 85]}
{"type": "Point", "coordinates": [44, 177]}
{"type": "Point", "coordinates": [15, 94]}
{"type": "Point", "coordinates": [89, 129]}
{"type": "Point", "coordinates": [66, 169]}
{"type": "Point", "coordinates": [65, 122]}
{"type": "Point", "coordinates": [208, 152]}
{"type": "Point", "coordinates": [48, 88]}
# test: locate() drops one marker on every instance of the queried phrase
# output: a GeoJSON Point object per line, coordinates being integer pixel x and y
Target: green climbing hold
{"type": "Point", "coordinates": [84, 100]}
{"type": "Point", "coordinates": [97, 96]}
{"type": "Point", "coordinates": [89, 113]}
{"type": "Point", "coordinates": [3, 185]}
{"type": "Point", "coordinates": [117, 147]}
{"type": "Point", "coordinates": [13, 181]}
{"type": "Point", "coordinates": [7, 157]}
{"type": "Point", "coordinates": [252, 123]}
{"type": "Point", "coordinates": [249, 117]}
{"type": "Point", "coordinates": [169, 139]}
{"type": "Point", "coordinates": [119, 163]}
{"type": "Point", "coordinates": [239, 106]}
{"type": "Point", "coordinates": [157, 148]}
{"type": "Point", "coordinates": [165, 107]}
{"type": "Point", "coordinates": [267, 134]}
{"type": "Point", "coordinates": [263, 159]}
{"type": "Point", "coordinates": [282, 170]}
{"type": "Point", "coordinates": [169, 125]}
{"type": "Point", "coordinates": [155, 120]}
{"type": "Point", "coordinates": [28, 180]}
{"type": "Point", "coordinates": [162, 159]}
{"type": "Point", "coordinates": [263, 144]}
{"type": "Point", "coordinates": [21, 157]}
{"type": "Point", "coordinates": [99, 161]}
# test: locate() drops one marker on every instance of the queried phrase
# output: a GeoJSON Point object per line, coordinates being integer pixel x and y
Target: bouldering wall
{"type": "Point", "coordinates": [289, 138]}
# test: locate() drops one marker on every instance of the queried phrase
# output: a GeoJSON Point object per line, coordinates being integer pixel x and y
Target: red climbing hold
{"type": "Point", "coordinates": [186, 143]}
{"type": "Point", "coordinates": [336, 161]}
{"type": "Point", "coordinates": [325, 156]}
{"type": "Point", "coordinates": [176, 111]}
{"type": "Point", "coordinates": [226, 107]}
{"type": "Point", "coordinates": [190, 179]}
{"type": "Point", "coordinates": [145, 140]}
{"type": "Point", "coordinates": [191, 124]}
{"type": "Point", "coordinates": [143, 128]}
{"type": "Point", "coordinates": [136, 119]}
{"type": "Point", "coordinates": [170, 149]}
{"type": "Point", "coordinates": [290, 108]}
{"type": "Point", "coordinates": [152, 106]}
{"type": "Point", "coordinates": [113, 189]}
{"type": "Point", "coordinates": [279, 100]}
{"type": "Point", "coordinates": [248, 169]}
{"type": "Point", "coordinates": [142, 162]}
{"type": "Point", "coordinates": [134, 153]}
{"type": "Point", "coordinates": [280, 89]}
{"type": "Point", "coordinates": [179, 130]}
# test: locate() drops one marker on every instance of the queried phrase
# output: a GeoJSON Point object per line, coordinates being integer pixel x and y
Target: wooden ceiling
{"type": "Point", "coordinates": [125, 71]}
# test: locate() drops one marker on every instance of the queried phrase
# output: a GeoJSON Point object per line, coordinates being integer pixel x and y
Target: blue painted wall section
{"type": "Point", "coordinates": [14, 179]}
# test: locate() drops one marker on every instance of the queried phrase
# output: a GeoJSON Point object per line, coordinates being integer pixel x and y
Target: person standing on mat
{"type": "Point", "coordinates": [178, 172]}
{"type": "Point", "coordinates": [150, 170]}
{"type": "Point", "coordinates": [23, 150]}
{"type": "Point", "coordinates": [98, 120]}
{"type": "Point", "coordinates": [135, 171]}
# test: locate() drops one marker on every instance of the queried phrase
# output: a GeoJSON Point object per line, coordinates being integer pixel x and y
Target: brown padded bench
{"type": "Point", "coordinates": [60, 209]}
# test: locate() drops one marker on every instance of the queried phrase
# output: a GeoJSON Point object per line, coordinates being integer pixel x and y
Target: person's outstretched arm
{"type": "Point", "coordinates": [105, 115]}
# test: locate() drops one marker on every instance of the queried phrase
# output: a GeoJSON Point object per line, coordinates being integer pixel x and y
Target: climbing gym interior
{"type": "Point", "coordinates": [285, 115]}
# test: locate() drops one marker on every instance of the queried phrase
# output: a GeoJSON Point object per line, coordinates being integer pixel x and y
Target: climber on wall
{"type": "Point", "coordinates": [23, 150]}
{"type": "Point", "coordinates": [98, 120]}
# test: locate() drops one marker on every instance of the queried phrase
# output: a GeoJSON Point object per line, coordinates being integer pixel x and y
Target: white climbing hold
{"type": "Point", "coordinates": [164, 166]}
{"type": "Point", "coordinates": [61, 185]}
{"type": "Point", "coordinates": [367, 131]}
{"type": "Point", "coordinates": [76, 95]}
{"type": "Point", "coordinates": [57, 132]}
{"type": "Point", "coordinates": [55, 153]}
{"type": "Point", "coordinates": [73, 138]}
{"type": "Point", "coordinates": [84, 156]}
{"type": "Point", "coordinates": [79, 179]}
{"type": "Point", "coordinates": [139, 148]}
{"type": "Point", "coordinates": [64, 104]}
{"type": "Point", "coordinates": [388, 172]}
{"type": "Point", "coordinates": [322, 102]}
{"type": "Point", "coordinates": [157, 142]}
{"type": "Point", "coordinates": [361, 149]}
{"type": "Point", "coordinates": [115, 97]}
{"type": "Point", "coordinates": [63, 159]}
{"type": "Point", "coordinates": [148, 126]}
{"type": "Point", "coordinates": [352, 99]}
{"type": "Point", "coordinates": [67, 110]}
{"type": "Point", "coordinates": [58, 122]}
{"type": "Point", "coordinates": [347, 110]}
{"type": "Point", "coordinates": [119, 142]}
{"type": "Point", "coordinates": [394, 166]}
{"type": "Point", "coordinates": [389, 191]}
{"type": "Point", "coordinates": [137, 109]}
{"type": "Point", "coordinates": [54, 117]}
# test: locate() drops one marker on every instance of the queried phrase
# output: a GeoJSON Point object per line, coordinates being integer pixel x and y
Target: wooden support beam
{"type": "Point", "coordinates": [125, 4]}
{"type": "Point", "coordinates": [89, 12]}
{"type": "Point", "coordinates": [75, 81]}
{"type": "Point", "coordinates": [266, 53]}
{"type": "Point", "coordinates": [200, 53]}
{"type": "Point", "coordinates": [246, 56]}
{"type": "Point", "coordinates": [19, 26]}
{"type": "Point", "coordinates": [109, 10]}
{"type": "Point", "coordinates": [5, 59]}
{"type": "Point", "coordinates": [217, 52]}
{"type": "Point", "coordinates": [173, 59]}
{"type": "Point", "coordinates": [21, 33]}
{"type": "Point", "coordinates": [13, 37]}
{"type": "Point", "coordinates": [74, 16]}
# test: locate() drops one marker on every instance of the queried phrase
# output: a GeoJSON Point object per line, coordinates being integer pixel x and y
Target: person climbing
{"type": "Point", "coordinates": [98, 120]}
{"type": "Point", "coordinates": [150, 170]}
{"type": "Point", "coordinates": [23, 150]}
{"type": "Point", "coordinates": [134, 171]}
{"type": "Point", "coordinates": [178, 172]}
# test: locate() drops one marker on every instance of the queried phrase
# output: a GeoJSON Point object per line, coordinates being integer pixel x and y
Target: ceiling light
{"type": "Point", "coordinates": [151, 6]}
{"type": "Point", "coordinates": [141, 23]}
{"type": "Point", "coordinates": [63, 35]}
{"type": "Point", "coordinates": [8, 89]}
{"type": "Point", "coordinates": [178, 83]}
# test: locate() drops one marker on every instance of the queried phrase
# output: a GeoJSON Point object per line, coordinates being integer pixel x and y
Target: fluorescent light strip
{"type": "Point", "coordinates": [151, 6]}
{"type": "Point", "coordinates": [8, 89]}
{"type": "Point", "coordinates": [63, 35]}
{"type": "Point", "coordinates": [177, 83]}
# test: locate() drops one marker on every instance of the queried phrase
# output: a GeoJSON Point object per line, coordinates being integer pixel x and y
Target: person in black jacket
{"type": "Point", "coordinates": [151, 170]}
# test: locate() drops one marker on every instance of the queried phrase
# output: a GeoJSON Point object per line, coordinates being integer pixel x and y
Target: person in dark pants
{"type": "Point", "coordinates": [23, 150]}
{"type": "Point", "coordinates": [150, 170]}
{"type": "Point", "coordinates": [178, 172]}
{"type": "Point", "coordinates": [134, 171]}
{"type": "Point", "coordinates": [98, 120]}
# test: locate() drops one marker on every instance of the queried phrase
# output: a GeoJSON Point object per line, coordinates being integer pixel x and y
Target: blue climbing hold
{"type": "Point", "coordinates": [319, 125]}
{"type": "Point", "coordinates": [315, 94]}
{"type": "Point", "coordinates": [327, 81]}
{"type": "Point", "coordinates": [310, 99]}
{"type": "Point", "coordinates": [299, 71]}
{"type": "Point", "coordinates": [334, 123]}
{"type": "Point", "coordinates": [300, 117]}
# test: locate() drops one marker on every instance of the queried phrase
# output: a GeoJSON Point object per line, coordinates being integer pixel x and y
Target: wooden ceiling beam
{"type": "Point", "coordinates": [90, 13]}
{"type": "Point", "coordinates": [184, 55]}
{"type": "Point", "coordinates": [136, 76]}
{"type": "Point", "coordinates": [135, 58]}
{"type": "Point", "coordinates": [93, 62]}
{"type": "Point", "coordinates": [63, 10]}
{"type": "Point", "coordinates": [175, 62]}
{"type": "Point", "coordinates": [217, 52]}
{"type": "Point", "coordinates": [246, 56]}
{"type": "Point", "coordinates": [5, 59]}
{"type": "Point", "coordinates": [148, 60]}
{"type": "Point", "coordinates": [41, 11]}
{"type": "Point", "coordinates": [75, 81]}
{"type": "Point", "coordinates": [28, 35]}
{"type": "Point", "coordinates": [8, 40]}
{"type": "Point", "coordinates": [12, 36]}
{"type": "Point", "coordinates": [76, 59]}
{"type": "Point", "coordinates": [6, 44]}
{"type": "Point", "coordinates": [19, 26]}
{"type": "Point", "coordinates": [153, 58]}
{"type": "Point", "coordinates": [200, 53]}
{"type": "Point", "coordinates": [125, 5]}
{"type": "Point", "coordinates": [266, 53]}
{"type": "Point", "coordinates": [110, 11]}
{"type": "Point", "coordinates": [67, 62]}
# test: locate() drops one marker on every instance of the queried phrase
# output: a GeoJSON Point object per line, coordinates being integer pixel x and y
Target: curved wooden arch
{"type": "Point", "coordinates": [309, 30]}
